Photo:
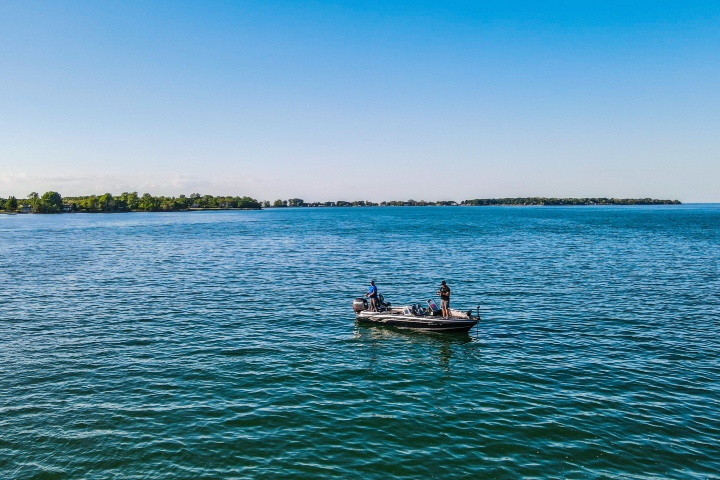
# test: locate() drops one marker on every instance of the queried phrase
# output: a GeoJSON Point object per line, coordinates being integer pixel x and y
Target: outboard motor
{"type": "Point", "coordinates": [360, 304]}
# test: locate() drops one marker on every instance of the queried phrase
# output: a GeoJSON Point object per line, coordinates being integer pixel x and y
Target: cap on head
{"type": "Point", "coordinates": [372, 282]}
{"type": "Point", "coordinates": [443, 282]}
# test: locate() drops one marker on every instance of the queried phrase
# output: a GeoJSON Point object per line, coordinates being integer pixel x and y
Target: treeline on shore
{"type": "Point", "coordinates": [297, 202]}
{"type": "Point", "coordinates": [569, 201]}
{"type": "Point", "coordinates": [53, 202]}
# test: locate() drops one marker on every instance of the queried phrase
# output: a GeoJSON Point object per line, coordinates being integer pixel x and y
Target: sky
{"type": "Point", "coordinates": [371, 100]}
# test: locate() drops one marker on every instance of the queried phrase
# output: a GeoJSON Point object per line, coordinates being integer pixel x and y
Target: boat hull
{"type": "Point", "coordinates": [427, 323]}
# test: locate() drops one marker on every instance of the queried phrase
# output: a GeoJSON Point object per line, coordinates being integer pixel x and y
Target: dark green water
{"type": "Point", "coordinates": [223, 345]}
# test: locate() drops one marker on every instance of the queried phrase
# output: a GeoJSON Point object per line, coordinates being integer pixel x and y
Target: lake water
{"type": "Point", "coordinates": [223, 344]}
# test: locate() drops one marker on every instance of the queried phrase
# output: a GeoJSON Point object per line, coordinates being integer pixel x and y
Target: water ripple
{"type": "Point", "coordinates": [222, 345]}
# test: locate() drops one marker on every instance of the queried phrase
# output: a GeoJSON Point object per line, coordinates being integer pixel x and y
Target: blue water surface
{"type": "Point", "coordinates": [223, 344]}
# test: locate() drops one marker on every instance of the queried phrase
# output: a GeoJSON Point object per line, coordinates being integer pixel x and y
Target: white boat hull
{"type": "Point", "coordinates": [459, 321]}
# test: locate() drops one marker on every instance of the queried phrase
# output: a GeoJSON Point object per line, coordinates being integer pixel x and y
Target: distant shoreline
{"type": "Point", "coordinates": [53, 202]}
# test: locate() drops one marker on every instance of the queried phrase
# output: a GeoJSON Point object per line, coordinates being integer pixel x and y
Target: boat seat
{"type": "Point", "coordinates": [434, 309]}
{"type": "Point", "coordinates": [415, 310]}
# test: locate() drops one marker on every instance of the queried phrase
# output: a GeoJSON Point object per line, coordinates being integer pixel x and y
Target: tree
{"type": "Point", "coordinates": [280, 203]}
{"type": "Point", "coordinates": [149, 203]}
{"type": "Point", "coordinates": [122, 202]}
{"type": "Point", "coordinates": [183, 202]}
{"type": "Point", "coordinates": [11, 204]}
{"type": "Point", "coordinates": [106, 202]}
{"type": "Point", "coordinates": [131, 200]}
{"type": "Point", "coordinates": [89, 204]}
{"type": "Point", "coordinates": [247, 202]}
{"type": "Point", "coordinates": [179, 203]}
{"type": "Point", "coordinates": [208, 201]}
{"type": "Point", "coordinates": [34, 200]}
{"type": "Point", "coordinates": [50, 202]}
{"type": "Point", "coordinates": [295, 202]}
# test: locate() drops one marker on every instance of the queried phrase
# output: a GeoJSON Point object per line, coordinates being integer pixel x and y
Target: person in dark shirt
{"type": "Point", "coordinates": [444, 293]}
{"type": "Point", "coordinates": [373, 295]}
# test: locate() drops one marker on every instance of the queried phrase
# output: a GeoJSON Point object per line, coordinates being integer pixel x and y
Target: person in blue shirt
{"type": "Point", "coordinates": [373, 295]}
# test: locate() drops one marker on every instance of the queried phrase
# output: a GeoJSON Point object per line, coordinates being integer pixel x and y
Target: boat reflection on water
{"type": "Point", "coordinates": [387, 332]}
{"type": "Point", "coordinates": [379, 337]}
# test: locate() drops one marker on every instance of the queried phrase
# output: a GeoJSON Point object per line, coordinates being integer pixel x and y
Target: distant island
{"type": "Point", "coordinates": [53, 202]}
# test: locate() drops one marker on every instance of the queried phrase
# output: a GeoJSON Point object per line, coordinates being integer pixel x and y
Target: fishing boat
{"type": "Point", "coordinates": [416, 316]}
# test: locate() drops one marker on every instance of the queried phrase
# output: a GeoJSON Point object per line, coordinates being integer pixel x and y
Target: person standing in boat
{"type": "Point", "coordinates": [444, 293]}
{"type": "Point", "coordinates": [373, 295]}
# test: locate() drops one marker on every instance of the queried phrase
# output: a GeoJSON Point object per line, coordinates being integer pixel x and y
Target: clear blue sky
{"type": "Point", "coordinates": [374, 100]}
